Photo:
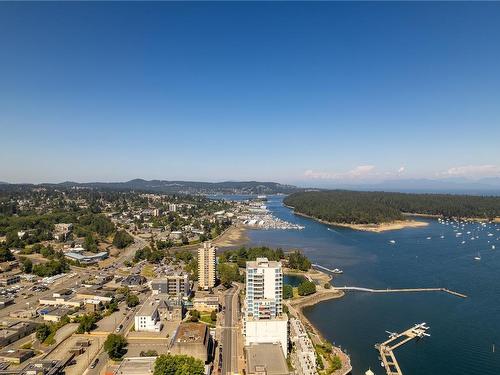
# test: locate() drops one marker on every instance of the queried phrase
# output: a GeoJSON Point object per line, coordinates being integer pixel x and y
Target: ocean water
{"type": "Point", "coordinates": [463, 331]}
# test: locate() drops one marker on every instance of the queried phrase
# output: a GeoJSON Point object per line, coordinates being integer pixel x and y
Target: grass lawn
{"type": "Point", "coordinates": [205, 318]}
{"type": "Point", "coordinates": [148, 271]}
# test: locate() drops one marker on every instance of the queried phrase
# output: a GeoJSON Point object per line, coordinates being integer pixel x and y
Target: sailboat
{"type": "Point", "coordinates": [477, 257]}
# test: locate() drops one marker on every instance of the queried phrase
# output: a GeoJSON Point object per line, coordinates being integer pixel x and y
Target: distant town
{"type": "Point", "coordinates": [98, 281]}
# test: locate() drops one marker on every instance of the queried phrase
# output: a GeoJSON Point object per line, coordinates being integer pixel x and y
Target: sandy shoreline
{"type": "Point", "coordinates": [376, 228]}
{"type": "Point", "coordinates": [235, 235]}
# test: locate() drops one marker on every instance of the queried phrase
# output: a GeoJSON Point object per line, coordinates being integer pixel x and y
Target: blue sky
{"type": "Point", "coordinates": [309, 93]}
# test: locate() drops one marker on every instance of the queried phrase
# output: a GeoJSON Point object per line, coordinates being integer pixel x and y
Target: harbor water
{"type": "Point", "coordinates": [463, 331]}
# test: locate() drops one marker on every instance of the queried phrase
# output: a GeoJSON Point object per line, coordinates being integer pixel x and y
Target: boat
{"type": "Point", "coordinates": [477, 257]}
{"type": "Point", "coordinates": [492, 247]}
{"type": "Point", "coordinates": [337, 271]}
{"type": "Point", "coordinates": [429, 238]}
{"type": "Point", "coordinates": [392, 241]}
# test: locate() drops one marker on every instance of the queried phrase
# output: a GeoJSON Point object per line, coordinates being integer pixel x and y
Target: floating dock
{"type": "Point", "coordinates": [401, 290]}
{"type": "Point", "coordinates": [386, 349]}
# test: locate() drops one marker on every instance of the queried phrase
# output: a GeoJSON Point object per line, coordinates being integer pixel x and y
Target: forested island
{"type": "Point", "coordinates": [371, 210]}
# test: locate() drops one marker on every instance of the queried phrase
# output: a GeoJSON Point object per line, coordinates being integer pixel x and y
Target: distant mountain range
{"type": "Point", "coordinates": [182, 187]}
{"type": "Point", "coordinates": [490, 185]}
{"type": "Point", "coordinates": [485, 186]}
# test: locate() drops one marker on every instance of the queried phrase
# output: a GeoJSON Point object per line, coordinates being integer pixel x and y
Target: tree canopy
{"type": "Point", "coordinates": [115, 346]}
{"type": "Point", "coordinates": [298, 261]}
{"type": "Point", "coordinates": [229, 272]}
{"type": "Point", "coordinates": [122, 239]}
{"type": "Point", "coordinates": [360, 207]}
{"type": "Point", "coordinates": [306, 287]}
{"type": "Point", "coordinates": [178, 365]}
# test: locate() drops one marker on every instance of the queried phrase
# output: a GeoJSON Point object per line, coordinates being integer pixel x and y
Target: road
{"type": "Point", "coordinates": [128, 319]}
{"type": "Point", "coordinates": [230, 332]}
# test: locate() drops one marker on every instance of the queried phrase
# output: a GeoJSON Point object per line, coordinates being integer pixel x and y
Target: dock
{"type": "Point", "coordinates": [400, 290]}
{"type": "Point", "coordinates": [386, 349]}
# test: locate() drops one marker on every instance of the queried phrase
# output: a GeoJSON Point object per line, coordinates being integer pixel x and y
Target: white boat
{"type": "Point", "coordinates": [477, 257]}
{"type": "Point", "coordinates": [492, 247]}
{"type": "Point", "coordinates": [429, 238]}
{"type": "Point", "coordinates": [392, 241]}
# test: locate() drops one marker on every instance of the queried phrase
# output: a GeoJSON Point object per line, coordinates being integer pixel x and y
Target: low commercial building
{"type": "Point", "coordinates": [86, 258]}
{"type": "Point", "coordinates": [16, 331]}
{"type": "Point", "coordinates": [172, 285]}
{"type": "Point", "coordinates": [16, 356]}
{"type": "Point", "coordinates": [170, 308]}
{"type": "Point", "coordinates": [39, 367]}
{"type": "Point", "coordinates": [93, 294]}
{"type": "Point", "coordinates": [9, 279]}
{"type": "Point", "coordinates": [133, 281]}
{"type": "Point", "coordinates": [93, 305]}
{"type": "Point", "coordinates": [265, 359]}
{"type": "Point", "coordinates": [6, 301]}
{"type": "Point", "coordinates": [260, 331]}
{"type": "Point", "coordinates": [136, 366]}
{"type": "Point", "coordinates": [54, 315]}
{"type": "Point", "coordinates": [206, 303]}
{"type": "Point", "coordinates": [148, 318]}
{"type": "Point", "coordinates": [192, 339]}
{"type": "Point", "coordinates": [67, 301]}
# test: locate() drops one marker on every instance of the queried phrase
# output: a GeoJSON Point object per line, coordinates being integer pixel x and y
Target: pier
{"type": "Point", "coordinates": [401, 290]}
{"type": "Point", "coordinates": [386, 349]}
{"type": "Point", "coordinates": [335, 271]}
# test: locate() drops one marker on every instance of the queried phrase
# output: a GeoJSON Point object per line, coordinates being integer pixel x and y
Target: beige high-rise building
{"type": "Point", "coordinates": [206, 266]}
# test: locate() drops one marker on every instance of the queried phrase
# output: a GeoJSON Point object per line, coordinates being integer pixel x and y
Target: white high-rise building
{"type": "Point", "coordinates": [206, 266]}
{"type": "Point", "coordinates": [264, 282]}
{"type": "Point", "coordinates": [264, 318]}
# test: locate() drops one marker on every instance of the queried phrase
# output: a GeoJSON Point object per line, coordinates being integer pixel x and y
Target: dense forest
{"type": "Point", "coordinates": [358, 207]}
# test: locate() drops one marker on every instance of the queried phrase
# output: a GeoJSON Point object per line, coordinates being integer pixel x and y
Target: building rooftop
{"type": "Point", "coordinates": [266, 359]}
{"type": "Point", "coordinates": [191, 333]}
{"type": "Point", "coordinates": [263, 262]}
{"type": "Point", "coordinates": [148, 308]}
{"type": "Point", "coordinates": [136, 366]}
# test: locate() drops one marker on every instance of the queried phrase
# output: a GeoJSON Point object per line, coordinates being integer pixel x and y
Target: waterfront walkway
{"type": "Point", "coordinates": [400, 290]}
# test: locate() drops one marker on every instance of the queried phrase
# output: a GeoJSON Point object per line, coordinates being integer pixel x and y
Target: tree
{"type": "Point", "coordinates": [27, 265]}
{"type": "Point", "coordinates": [42, 332]}
{"type": "Point", "coordinates": [298, 261]}
{"type": "Point", "coordinates": [132, 300]}
{"type": "Point", "coordinates": [327, 285]}
{"type": "Point", "coordinates": [287, 291]}
{"type": "Point", "coordinates": [5, 254]}
{"type": "Point", "coordinates": [122, 239]}
{"type": "Point", "coordinates": [194, 315]}
{"type": "Point", "coordinates": [87, 323]}
{"type": "Point", "coordinates": [229, 272]}
{"type": "Point", "coordinates": [213, 316]}
{"type": "Point", "coordinates": [178, 365]}
{"type": "Point", "coordinates": [90, 243]}
{"type": "Point", "coordinates": [306, 287]}
{"type": "Point", "coordinates": [115, 346]}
